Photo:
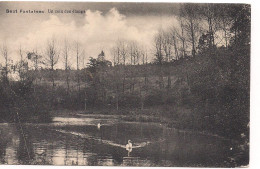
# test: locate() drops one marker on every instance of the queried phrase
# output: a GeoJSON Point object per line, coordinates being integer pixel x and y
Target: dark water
{"type": "Point", "coordinates": [79, 141]}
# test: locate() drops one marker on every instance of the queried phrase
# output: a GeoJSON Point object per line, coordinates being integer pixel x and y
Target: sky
{"type": "Point", "coordinates": [99, 28]}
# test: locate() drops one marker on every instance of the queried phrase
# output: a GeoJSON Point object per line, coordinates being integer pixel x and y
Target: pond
{"type": "Point", "coordinates": [101, 140]}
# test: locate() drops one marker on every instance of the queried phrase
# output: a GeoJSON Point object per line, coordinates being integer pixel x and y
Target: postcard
{"type": "Point", "coordinates": [125, 84]}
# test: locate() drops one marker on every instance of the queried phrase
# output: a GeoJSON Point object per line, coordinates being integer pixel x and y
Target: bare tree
{"type": "Point", "coordinates": [158, 41]}
{"type": "Point", "coordinates": [20, 63]}
{"type": "Point", "coordinates": [224, 21]}
{"type": "Point", "coordinates": [143, 88]}
{"type": "Point", "coordinates": [145, 62]}
{"type": "Point", "coordinates": [167, 45]}
{"type": "Point", "coordinates": [66, 63]}
{"type": "Point", "coordinates": [209, 14]}
{"type": "Point", "coordinates": [120, 55]}
{"type": "Point", "coordinates": [116, 55]}
{"type": "Point", "coordinates": [77, 66]}
{"type": "Point", "coordinates": [179, 34]}
{"type": "Point", "coordinates": [52, 57]}
{"type": "Point", "coordinates": [22, 66]}
{"type": "Point", "coordinates": [86, 75]}
{"type": "Point", "coordinates": [83, 57]}
{"type": "Point", "coordinates": [4, 52]}
{"type": "Point", "coordinates": [189, 13]}
{"type": "Point", "coordinates": [135, 55]}
{"type": "Point", "coordinates": [122, 47]}
{"type": "Point", "coordinates": [113, 52]}
{"type": "Point", "coordinates": [37, 61]}
{"type": "Point", "coordinates": [175, 44]}
{"type": "Point", "coordinates": [169, 41]}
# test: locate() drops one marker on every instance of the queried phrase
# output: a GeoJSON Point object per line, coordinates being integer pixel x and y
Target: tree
{"type": "Point", "coordinates": [145, 62]}
{"type": "Point", "coordinates": [77, 66]}
{"type": "Point", "coordinates": [158, 41]}
{"type": "Point", "coordinates": [37, 60]}
{"type": "Point", "coordinates": [167, 44]}
{"type": "Point", "coordinates": [116, 78]}
{"type": "Point", "coordinates": [189, 13]}
{"type": "Point", "coordinates": [4, 52]}
{"type": "Point", "coordinates": [204, 42]}
{"type": "Point", "coordinates": [122, 47]}
{"type": "Point", "coordinates": [98, 69]}
{"type": "Point", "coordinates": [209, 13]}
{"type": "Point", "coordinates": [241, 24]}
{"type": "Point", "coordinates": [240, 44]}
{"type": "Point", "coordinates": [175, 44]}
{"type": "Point", "coordinates": [180, 34]}
{"type": "Point", "coordinates": [66, 63]}
{"type": "Point", "coordinates": [135, 55]}
{"type": "Point", "coordinates": [102, 64]}
{"type": "Point", "coordinates": [51, 59]}
{"type": "Point", "coordinates": [22, 66]}
{"type": "Point", "coordinates": [224, 20]}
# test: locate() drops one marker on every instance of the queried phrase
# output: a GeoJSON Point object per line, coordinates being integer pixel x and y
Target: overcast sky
{"type": "Point", "coordinates": [97, 29]}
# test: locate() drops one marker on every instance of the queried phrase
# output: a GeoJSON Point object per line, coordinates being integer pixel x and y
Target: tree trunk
{"type": "Point", "coordinates": [67, 81]}
{"type": "Point", "coordinates": [117, 98]}
{"type": "Point", "coordinates": [175, 48]}
{"type": "Point", "coordinates": [78, 80]}
{"type": "Point", "coordinates": [161, 84]}
{"type": "Point", "coordinates": [52, 78]}
{"type": "Point", "coordinates": [192, 38]}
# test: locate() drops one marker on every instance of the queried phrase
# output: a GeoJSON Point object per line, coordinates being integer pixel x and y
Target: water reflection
{"type": "Point", "coordinates": [68, 143]}
{"type": "Point", "coordinates": [25, 152]}
{"type": "Point", "coordinates": [3, 147]}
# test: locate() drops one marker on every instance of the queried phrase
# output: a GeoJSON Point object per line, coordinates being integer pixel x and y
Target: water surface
{"type": "Point", "coordinates": [79, 141]}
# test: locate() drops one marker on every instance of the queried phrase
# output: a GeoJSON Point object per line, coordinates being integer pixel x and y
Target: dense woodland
{"type": "Point", "coordinates": [198, 78]}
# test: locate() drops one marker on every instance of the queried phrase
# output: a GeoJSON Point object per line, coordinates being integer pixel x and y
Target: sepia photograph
{"type": "Point", "coordinates": [143, 84]}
